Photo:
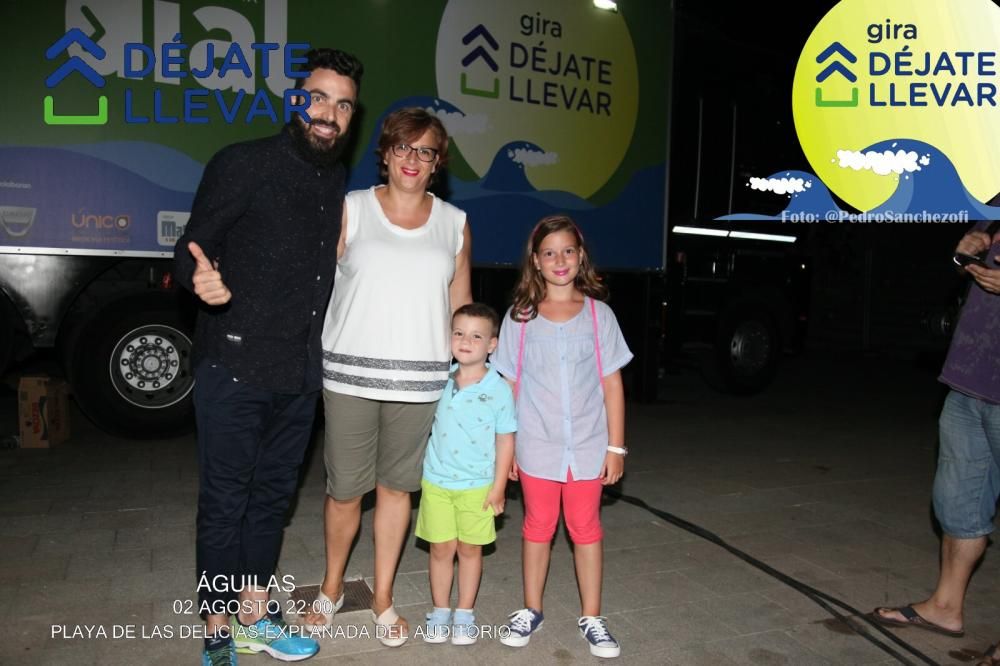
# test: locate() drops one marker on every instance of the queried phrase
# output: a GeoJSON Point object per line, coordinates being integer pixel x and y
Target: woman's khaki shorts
{"type": "Point", "coordinates": [369, 442]}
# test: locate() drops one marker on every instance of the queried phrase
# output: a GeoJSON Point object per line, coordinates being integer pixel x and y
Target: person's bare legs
{"type": "Point", "coordinates": [589, 561]}
{"type": "Point", "coordinates": [392, 518]}
{"type": "Point", "coordinates": [470, 571]}
{"type": "Point", "coordinates": [442, 572]}
{"type": "Point", "coordinates": [341, 520]}
{"type": "Point", "coordinates": [944, 608]}
{"type": "Point", "coordinates": [535, 567]}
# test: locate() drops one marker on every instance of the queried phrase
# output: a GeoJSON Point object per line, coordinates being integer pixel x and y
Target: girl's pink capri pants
{"type": "Point", "coordinates": [581, 505]}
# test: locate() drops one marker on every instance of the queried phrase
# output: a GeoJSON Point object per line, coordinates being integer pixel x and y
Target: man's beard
{"type": "Point", "coordinates": [315, 150]}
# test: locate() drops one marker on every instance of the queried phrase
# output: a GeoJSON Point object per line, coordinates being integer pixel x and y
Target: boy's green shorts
{"type": "Point", "coordinates": [455, 514]}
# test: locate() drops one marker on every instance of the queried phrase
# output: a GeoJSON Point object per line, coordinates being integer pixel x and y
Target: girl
{"type": "Point", "coordinates": [561, 348]}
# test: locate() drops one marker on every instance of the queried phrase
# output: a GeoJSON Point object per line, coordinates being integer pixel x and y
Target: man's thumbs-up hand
{"type": "Point", "coordinates": [207, 279]}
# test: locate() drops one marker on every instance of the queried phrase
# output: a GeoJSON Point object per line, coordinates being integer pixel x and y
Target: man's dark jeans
{"type": "Point", "coordinates": [251, 442]}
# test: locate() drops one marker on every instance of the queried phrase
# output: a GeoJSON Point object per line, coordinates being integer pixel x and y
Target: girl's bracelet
{"type": "Point", "coordinates": [620, 450]}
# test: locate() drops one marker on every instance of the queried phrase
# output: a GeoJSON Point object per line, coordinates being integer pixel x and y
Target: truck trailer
{"type": "Point", "coordinates": [555, 106]}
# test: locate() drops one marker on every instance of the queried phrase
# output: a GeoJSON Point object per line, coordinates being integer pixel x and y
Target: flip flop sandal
{"type": "Point", "coordinates": [387, 628]}
{"type": "Point", "coordinates": [913, 619]}
{"type": "Point", "coordinates": [326, 607]}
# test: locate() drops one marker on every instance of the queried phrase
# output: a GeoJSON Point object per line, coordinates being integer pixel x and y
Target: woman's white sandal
{"type": "Point", "coordinates": [327, 607]}
{"type": "Point", "coordinates": [387, 630]}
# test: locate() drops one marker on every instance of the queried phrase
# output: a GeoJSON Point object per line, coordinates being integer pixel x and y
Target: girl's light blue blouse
{"type": "Point", "coordinates": [562, 423]}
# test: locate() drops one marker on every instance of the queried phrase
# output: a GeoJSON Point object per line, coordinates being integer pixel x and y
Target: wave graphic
{"type": "Point", "coordinates": [814, 199]}
{"type": "Point", "coordinates": [927, 183]}
{"type": "Point", "coordinates": [935, 188]}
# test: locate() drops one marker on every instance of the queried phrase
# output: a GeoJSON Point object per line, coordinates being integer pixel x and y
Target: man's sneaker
{"type": "Point", "coordinates": [438, 625]}
{"type": "Point", "coordinates": [595, 630]}
{"type": "Point", "coordinates": [520, 625]}
{"type": "Point", "coordinates": [275, 638]}
{"type": "Point", "coordinates": [463, 628]}
{"type": "Point", "coordinates": [223, 656]}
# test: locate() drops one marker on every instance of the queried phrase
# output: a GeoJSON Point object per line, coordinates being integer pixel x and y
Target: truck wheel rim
{"type": "Point", "coordinates": [151, 366]}
{"type": "Point", "coordinates": [750, 347]}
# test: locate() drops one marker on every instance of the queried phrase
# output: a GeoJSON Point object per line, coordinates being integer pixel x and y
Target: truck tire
{"type": "Point", "coordinates": [746, 352]}
{"type": "Point", "coordinates": [131, 370]}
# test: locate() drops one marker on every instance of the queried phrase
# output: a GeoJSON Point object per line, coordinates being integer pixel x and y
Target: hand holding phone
{"type": "Point", "coordinates": [963, 260]}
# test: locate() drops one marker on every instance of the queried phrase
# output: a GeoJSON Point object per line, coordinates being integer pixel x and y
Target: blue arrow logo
{"type": "Point", "coordinates": [480, 52]}
{"type": "Point", "coordinates": [74, 64]}
{"type": "Point", "coordinates": [835, 67]}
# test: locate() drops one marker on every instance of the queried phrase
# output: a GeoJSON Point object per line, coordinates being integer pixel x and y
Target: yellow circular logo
{"type": "Point", "coordinates": [877, 70]}
{"type": "Point", "coordinates": [551, 86]}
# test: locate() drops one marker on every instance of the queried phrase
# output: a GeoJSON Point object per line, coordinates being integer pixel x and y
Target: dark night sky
{"type": "Point", "coordinates": [744, 54]}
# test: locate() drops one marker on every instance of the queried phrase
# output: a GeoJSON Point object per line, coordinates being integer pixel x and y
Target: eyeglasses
{"type": "Point", "coordinates": [424, 154]}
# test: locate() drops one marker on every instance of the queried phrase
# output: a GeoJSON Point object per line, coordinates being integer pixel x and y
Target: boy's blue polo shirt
{"type": "Point", "coordinates": [461, 453]}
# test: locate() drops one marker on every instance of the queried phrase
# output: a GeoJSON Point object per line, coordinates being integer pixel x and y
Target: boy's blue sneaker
{"type": "Point", "coordinates": [223, 656]}
{"type": "Point", "coordinates": [273, 637]}
{"type": "Point", "coordinates": [438, 626]}
{"type": "Point", "coordinates": [595, 630]}
{"type": "Point", "coordinates": [463, 628]}
{"type": "Point", "coordinates": [520, 625]}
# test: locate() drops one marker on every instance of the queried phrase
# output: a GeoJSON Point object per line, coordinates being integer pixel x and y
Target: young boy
{"type": "Point", "coordinates": [465, 473]}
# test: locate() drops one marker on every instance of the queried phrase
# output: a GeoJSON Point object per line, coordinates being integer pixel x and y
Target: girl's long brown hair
{"type": "Point", "coordinates": [530, 289]}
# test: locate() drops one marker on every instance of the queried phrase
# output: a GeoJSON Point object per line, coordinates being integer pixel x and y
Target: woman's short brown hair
{"type": "Point", "coordinates": [406, 125]}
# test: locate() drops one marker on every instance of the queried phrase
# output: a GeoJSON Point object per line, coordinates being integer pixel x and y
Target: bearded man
{"type": "Point", "coordinates": [260, 251]}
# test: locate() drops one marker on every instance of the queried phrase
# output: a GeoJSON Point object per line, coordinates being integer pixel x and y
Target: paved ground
{"type": "Point", "coordinates": [825, 478]}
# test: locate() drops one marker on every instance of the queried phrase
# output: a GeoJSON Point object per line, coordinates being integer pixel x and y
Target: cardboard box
{"type": "Point", "coordinates": [43, 411]}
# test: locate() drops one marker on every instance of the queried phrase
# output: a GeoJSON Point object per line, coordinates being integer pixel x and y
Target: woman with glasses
{"type": "Point", "coordinates": [403, 268]}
